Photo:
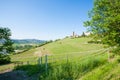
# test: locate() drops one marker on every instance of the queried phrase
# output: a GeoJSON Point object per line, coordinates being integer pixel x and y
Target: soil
{"type": "Point", "coordinates": [16, 75]}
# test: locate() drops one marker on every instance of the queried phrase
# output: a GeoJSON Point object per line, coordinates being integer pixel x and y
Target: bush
{"type": "Point", "coordinates": [116, 50]}
{"type": "Point", "coordinates": [71, 70]}
{"type": "Point", "coordinates": [95, 42]}
{"type": "Point", "coordinates": [118, 59]}
{"type": "Point", "coordinates": [30, 69]}
{"type": "Point", "coordinates": [4, 59]}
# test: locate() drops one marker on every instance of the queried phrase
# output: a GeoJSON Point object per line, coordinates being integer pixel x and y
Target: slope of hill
{"type": "Point", "coordinates": [84, 61]}
{"type": "Point", "coordinates": [70, 45]}
{"type": "Point", "coordinates": [27, 41]}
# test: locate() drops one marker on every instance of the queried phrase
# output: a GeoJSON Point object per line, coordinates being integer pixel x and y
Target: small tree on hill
{"type": "Point", "coordinates": [83, 34]}
{"type": "Point", "coordinates": [5, 45]}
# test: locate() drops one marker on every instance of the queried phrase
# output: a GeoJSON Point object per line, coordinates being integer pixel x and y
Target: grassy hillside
{"type": "Point", "coordinates": [69, 59]}
{"type": "Point", "coordinates": [68, 45]}
{"type": "Point", "coordinates": [77, 46]}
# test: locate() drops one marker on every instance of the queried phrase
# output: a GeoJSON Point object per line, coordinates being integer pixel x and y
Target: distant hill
{"type": "Point", "coordinates": [28, 41]}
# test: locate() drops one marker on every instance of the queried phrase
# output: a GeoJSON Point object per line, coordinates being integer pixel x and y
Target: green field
{"type": "Point", "coordinates": [69, 59]}
{"type": "Point", "coordinates": [68, 45]}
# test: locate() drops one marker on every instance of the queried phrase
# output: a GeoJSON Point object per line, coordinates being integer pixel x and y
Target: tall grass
{"type": "Point", "coordinates": [100, 73]}
{"type": "Point", "coordinates": [72, 70]}
{"type": "Point", "coordinates": [30, 69]}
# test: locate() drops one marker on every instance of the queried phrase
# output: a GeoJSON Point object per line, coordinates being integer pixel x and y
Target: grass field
{"type": "Point", "coordinates": [69, 59]}
{"type": "Point", "coordinates": [68, 45]}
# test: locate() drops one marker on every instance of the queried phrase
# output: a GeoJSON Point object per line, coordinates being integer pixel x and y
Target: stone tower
{"type": "Point", "coordinates": [73, 34]}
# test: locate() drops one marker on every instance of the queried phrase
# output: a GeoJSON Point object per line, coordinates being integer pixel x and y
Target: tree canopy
{"type": "Point", "coordinates": [105, 21]}
{"type": "Point", "coordinates": [5, 41]}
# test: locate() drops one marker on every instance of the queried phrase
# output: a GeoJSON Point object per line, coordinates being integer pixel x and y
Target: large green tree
{"type": "Point", "coordinates": [5, 45]}
{"type": "Point", "coordinates": [105, 21]}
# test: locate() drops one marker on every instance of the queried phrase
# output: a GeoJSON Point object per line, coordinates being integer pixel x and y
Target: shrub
{"type": "Point", "coordinates": [116, 50]}
{"type": "Point", "coordinates": [4, 59]}
{"type": "Point", "coordinates": [30, 69]}
{"type": "Point", "coordinates": [118, 59]}
{"type": "Point", "coordinates": [95, 42]}
{"type": "Point", "coordinates": [73, 71]}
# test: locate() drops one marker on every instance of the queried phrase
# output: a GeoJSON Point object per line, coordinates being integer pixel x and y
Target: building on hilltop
{"type": "Point", "coordinates": [74, 35]}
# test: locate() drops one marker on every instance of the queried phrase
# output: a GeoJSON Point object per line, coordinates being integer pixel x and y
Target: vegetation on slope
{"type": "Point", "coordinates": [104, 22]}
{"type": "Point", "coordinates": [70, 45]}
{"type": "Point", "coordinates": [81, 61]}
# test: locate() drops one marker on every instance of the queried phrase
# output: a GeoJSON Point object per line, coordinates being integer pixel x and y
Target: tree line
{"type": "Point", "coordinates": [104, 22]}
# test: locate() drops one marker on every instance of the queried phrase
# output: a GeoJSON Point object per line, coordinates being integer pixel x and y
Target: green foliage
{"type": "Point", "coordinates": [96, 42]}
{"type": "Point", "coordinates": [82, 61]}
{"type": "Point", "coordinates": [4, 33]}
{"type": "Point", "coordinates": [61, 69]}
{"type": "Point", "coordinates": [116, 50]}
{"type": "Point", "coordinates": [30, 69]}
{"type": "Point", "coordinates": [72, 70]}
{"type": "Point", "coordinates": [83, 34]}
{"type": "Point", "coordinates": [28, 41]}
{"type": "Point", "coordinates": [118, 59]}
{"type": "Point", "coordinates": [4, 59]}
{"type": "Point", "coordinates": [101, 73]}
{"type": "Point", "coordinates": [105, 21]}
{"type": "Point", "coordinates": [5, 45]}
{"type": "Point", "coordinates": [23, 47]}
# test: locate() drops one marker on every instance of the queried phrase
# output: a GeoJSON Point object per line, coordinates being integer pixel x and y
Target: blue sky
{"type": "Point", "coordinates": [44, 19]}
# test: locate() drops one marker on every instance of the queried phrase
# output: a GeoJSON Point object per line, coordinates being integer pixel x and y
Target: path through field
{"type": "Point", "coordinates": [10, 74]}
{"type": "Point", "coordinates": [13, 75]}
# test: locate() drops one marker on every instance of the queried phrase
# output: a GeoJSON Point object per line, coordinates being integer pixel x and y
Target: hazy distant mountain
{"type": "Point", "coordinates": [27, 41]}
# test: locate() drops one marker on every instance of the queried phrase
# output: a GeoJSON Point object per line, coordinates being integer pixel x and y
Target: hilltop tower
{"type": "Point", "coordinates": [73, 34]}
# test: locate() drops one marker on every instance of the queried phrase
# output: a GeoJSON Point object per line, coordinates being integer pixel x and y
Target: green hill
{"type": "Point", "coordinates": [69, 59]}
{"type": "Point", "coordinates": [27, 41]}
{"type": "Point", "coordinates": [70, 45]}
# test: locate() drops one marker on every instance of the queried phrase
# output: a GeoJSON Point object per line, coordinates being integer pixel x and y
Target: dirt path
{"type": "Point", "coordinates": [13, 75]}
{"type": "Point", "coordinates": [41, 52]}
{"type": "Point", "coordinates": [10, 74]}
{"type": "Point", "coordinates": [17, 75]}
{"type": "Point", "coordinates": [38, 53]}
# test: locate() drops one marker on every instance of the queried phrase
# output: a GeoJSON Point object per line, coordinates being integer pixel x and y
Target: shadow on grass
{"type": "Point", "coordinates": [23, 72]}
{"type": "Point", "coordinates": [13, 75]}
{"type": "Point", "coordinates": [56, 72]}
{"type": "Point", "coordinates": [34, 71]}
{"type": "Point", "coordinates": [31, 69]}
{"type": "Point", "coordinates": [64, 71]}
